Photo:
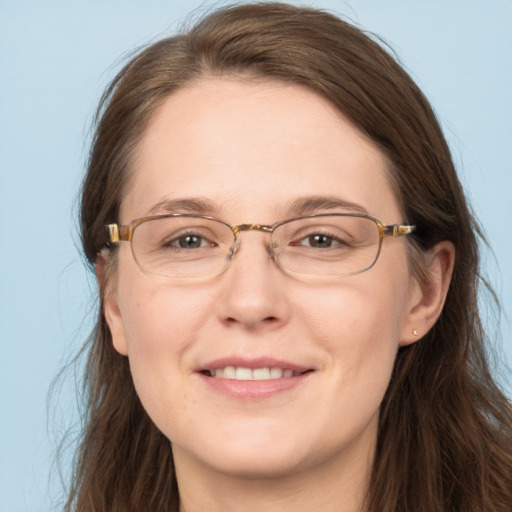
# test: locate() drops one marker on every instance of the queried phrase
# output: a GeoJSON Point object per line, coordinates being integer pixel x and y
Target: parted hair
{"type": "Point", "coordinates": [445, 428]}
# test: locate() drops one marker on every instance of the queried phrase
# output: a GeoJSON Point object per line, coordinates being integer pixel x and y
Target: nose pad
{"type": "Point", "coordinates": [236, 246]}
{"type": "Point", "coordinates": [234, 249]}
{"type": "Point", "coordinates": [273, 251]}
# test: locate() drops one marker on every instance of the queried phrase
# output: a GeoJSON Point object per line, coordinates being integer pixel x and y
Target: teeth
{"type": "Point", "coordinates": [261, 374]}
{"type": "Point", "coordinates": [228, 372]}
{"type": "Point", "coordinates": [276, 373]}
{"type": "Point", "coordinates": [241, 373]}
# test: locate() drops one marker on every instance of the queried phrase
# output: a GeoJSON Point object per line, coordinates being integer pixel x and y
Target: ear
{"type": "Point", "coordinates": [427, 297]}
{"type": "Point", "coordinates": [110, 305]}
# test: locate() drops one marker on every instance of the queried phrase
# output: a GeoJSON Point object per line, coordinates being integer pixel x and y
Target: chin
{"type": "Point", "coordinates": [251, 453]}
{"type": "Point", "coordinates": [272, 463]}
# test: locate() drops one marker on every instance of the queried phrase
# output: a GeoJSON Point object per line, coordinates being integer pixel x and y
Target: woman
{"type": "Point", "coordinates": [288, 284]}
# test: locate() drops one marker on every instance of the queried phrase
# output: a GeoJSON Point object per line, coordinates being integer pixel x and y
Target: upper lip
{"type": "Point", "coordinates": [260, 362]}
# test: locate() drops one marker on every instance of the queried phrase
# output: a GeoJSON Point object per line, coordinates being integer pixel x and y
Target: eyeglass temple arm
{"type": "Point", "coordinates": [117, 233]}
{"type": "Point", "coordinates": [397, 230]}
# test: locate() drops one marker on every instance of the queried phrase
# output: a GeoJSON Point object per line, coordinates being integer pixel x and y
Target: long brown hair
{"type": "Point", "coordinates": [445, 433]}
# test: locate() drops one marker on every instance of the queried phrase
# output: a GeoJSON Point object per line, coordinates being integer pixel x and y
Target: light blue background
{"type": "Point", "coordinates": [57, 56]}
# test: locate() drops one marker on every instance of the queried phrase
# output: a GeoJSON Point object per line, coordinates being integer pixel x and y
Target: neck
{"type": "Point", "coordinates": [338, 484]}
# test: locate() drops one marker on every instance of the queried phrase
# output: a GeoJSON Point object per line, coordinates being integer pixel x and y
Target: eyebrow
{"type": "Point", "coordinates": [311, 204]}
{"type": "Point", "coordinates": [197, 205]}
{"type": "Point", "coordinates": [301, 206]}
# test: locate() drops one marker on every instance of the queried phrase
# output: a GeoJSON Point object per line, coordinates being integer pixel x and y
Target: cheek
{"type": "Point", "coordinates": [160, 316]}
{"type": "Point", "coordinates": [359, 327]}
{"type": "Point", "coordinates": [357, 312]}
{"type": "Point", "coordinates": [161, 324]}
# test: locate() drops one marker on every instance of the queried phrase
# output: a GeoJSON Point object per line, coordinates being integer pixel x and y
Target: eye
{"type": "Point", "coordinates": [190, 242]}
{"type": "Point", "coordinates": [320, 241]}
{"type": "Point", "coordinates": [187, 241]}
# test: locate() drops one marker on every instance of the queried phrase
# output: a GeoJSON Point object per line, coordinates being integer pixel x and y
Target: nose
{"type": "Point", "coordinates": [254, 290]}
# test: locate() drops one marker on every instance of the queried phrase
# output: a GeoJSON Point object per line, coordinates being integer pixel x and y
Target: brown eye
{"type": "Point", "coordinates": [186, 241]}
{"type": "Point", "coordinates": [320, 241]}
{"type": "Point", "coordinates": [190, 242]}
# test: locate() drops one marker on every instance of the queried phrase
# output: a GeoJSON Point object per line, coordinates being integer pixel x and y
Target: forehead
{"type": "Point", "coordinates": [252, 148]}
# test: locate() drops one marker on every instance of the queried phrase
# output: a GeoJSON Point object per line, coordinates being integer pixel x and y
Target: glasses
{"type": "Point", "coordinates": [186, 246]}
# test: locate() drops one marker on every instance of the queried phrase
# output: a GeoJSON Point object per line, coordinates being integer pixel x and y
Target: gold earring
{"type": "Point", "coordinates": [415, 332]}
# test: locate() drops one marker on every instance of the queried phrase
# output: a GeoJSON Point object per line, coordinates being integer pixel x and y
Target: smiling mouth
{"type": "Point", "coordinates": [242, 373]}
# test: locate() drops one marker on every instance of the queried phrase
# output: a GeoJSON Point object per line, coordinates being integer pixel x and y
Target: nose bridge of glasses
{"type": "Point", "coordinates": [249, 227]}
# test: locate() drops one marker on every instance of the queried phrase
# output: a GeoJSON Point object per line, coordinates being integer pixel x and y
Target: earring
{"type": "Point", "coordinates": [105, 251]}
{"type": "Point", "coordinates": [415, 332]}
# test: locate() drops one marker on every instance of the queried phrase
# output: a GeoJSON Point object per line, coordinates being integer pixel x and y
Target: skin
{"type": "Point", "coordinates": [252, 148]}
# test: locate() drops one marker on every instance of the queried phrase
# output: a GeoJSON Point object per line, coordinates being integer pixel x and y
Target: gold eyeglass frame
{"type": "Point", "coordinates": [124, 232]}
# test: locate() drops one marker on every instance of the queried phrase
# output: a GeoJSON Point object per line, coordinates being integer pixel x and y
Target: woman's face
{"type": "Point", "coordinates": [253, 150]}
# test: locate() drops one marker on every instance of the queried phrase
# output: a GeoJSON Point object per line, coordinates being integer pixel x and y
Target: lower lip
{"type": "Point", "coordinates": [254, 389]}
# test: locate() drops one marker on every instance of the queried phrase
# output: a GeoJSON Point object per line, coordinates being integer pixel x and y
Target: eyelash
{"type": "Point", "coordinates": [175, 240]}
{"type": "Point", "coordinates": [326, 234]}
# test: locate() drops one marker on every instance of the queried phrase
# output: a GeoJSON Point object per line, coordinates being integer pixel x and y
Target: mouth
{"type": "Point", "coordinates": [244, 373]}
{"type": "Point", "coordinates": [253, 379]}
